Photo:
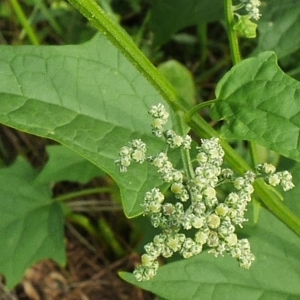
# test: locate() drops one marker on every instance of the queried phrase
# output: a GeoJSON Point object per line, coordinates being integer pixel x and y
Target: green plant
{"type": "Point", "coordinates": [93, 98]}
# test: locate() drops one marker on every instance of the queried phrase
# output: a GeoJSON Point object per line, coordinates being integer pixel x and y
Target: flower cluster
{"type": "Point", "coordinates": [252, 9]}
{"type": "Point", "coordinates": [136, 151]}
{"type": "Point", "coordinates": [197, 204]}
{"type": "Point", "coordinates": [283, 178]}
{"type": "Point", "coordinates": [160, 118]}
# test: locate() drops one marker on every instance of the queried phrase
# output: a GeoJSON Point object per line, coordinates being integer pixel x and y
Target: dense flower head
{"type": "Point", "coordinates": [160, 118]}
{"type": "Point", "coordinates": [196, 202]}
{"type": "Point", "coordinates": [136, 151]}
{"type": "Point", "coordinates": [252, 9]}
{"type": "Point", "coordinates": [283, 178]}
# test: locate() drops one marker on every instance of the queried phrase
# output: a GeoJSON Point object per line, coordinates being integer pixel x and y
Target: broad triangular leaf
{"type": "Point", "coordinates": [66, 165]}
{"type": "Point", "coordinates": [31, 227]}
{"type": "Point", "coordinates": [88, 97]}
{"type": "Point", "coordinates": [275, 274]}
{"type": "Point", "coordinates": [262, 104]}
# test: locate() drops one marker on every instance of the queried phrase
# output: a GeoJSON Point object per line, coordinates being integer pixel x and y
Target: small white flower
{"type": "Point", "coordinates": [147, 260]}
{"type": "Point", "coordinates": [198, 222]}
{"type": "Point", "coordinates": [227, 173]}
{"type": "Point", "coordinates": [222, 209]}
{"type": "Point", "coordinates": [177, 188]}
{"type": "Point", "coordinates": [213, 221]}
{"type": "Point", "coordinates": [273, 180]}
{"type": "Point", "coordinates": [202, 157]}
{"type": "Point", "coordinates": [239, 183]}
{"type": "Point", "coordinates": [158, 123]}
{"type": "Point", "coordinates": [201, 237]}
{"type": "Point", "coordinates": [209, 193]}
{"type": "Point", "coordinates": [286, 175]}
{"type": "Point", "coordinates": [213, 239]}
{"type": "Point", "coordinates": [287, 185]}
{"type": "Point", "coordinates": [231, 239]}
{"type": "Point", "coordinates": [174, 243]}
{"type": "Point", "coordinates": [186, 143]}
{"type": "Point", "coordinates": [268, 168]}
{"type": "Point", "coordinates": [138, 156]}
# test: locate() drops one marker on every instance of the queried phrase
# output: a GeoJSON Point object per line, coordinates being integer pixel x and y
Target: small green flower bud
{"type": "Point", "coordinates": [245, 27]}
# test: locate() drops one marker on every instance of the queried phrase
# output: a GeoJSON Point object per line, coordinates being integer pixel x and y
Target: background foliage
{"type": "Point", "coordinates": [87, 95]}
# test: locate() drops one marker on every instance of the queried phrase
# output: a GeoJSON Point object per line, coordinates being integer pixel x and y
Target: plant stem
{"type": "Point", "coordinates": [236, 58]}
{"type": "Point", "coordinates": [82, 193]}
{"type": "Point", "coordinates": [124, 43]}
{"type": "Point", "coordinates": [197, 108]}
{"type": "Point", "coordinates": [24, 22]}
{"type": "Point", "coordinates": [232, 37]}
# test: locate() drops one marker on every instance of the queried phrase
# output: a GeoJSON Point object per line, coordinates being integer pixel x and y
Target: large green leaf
{"type": "Point", "coordinates": [88, 97]}
{"type": "Point", "coordinates": [31, 226]}
{"type": "Point", "coordinates": [66, 165]}
{"type": "Point", "coordinates": [169, 16]}
{"type": "Point", "coordinates": [262, 104]}
{"type": "Point", "coordinates": [279, 27]}
{"type": "Point", "coordinates": [275, 274]}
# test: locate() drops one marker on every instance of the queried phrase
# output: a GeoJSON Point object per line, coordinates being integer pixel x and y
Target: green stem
{"type": "Point", "coordinates": [180, 127]}
{"type": "Point", "coordinates": [82, 221]}
{"type": "Point", "coordinates": [254, 154]}
{"type": "Point", "coordinates": [82, 193]}
{"type": "Point", "coordinates": [24, 22]}
{"type": "Point", "coordinates": [232, 37]}
{"type": "Point", "coordinates": [198, 107]}
{"type": "Point", "coordinates": [122, 41]}
{"type": "Point", "coordinates": [236, 57]}
{"type": "Point", "coordinates": [125, 44]}
{"type": "Point", "coordinates": [273, 203]}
